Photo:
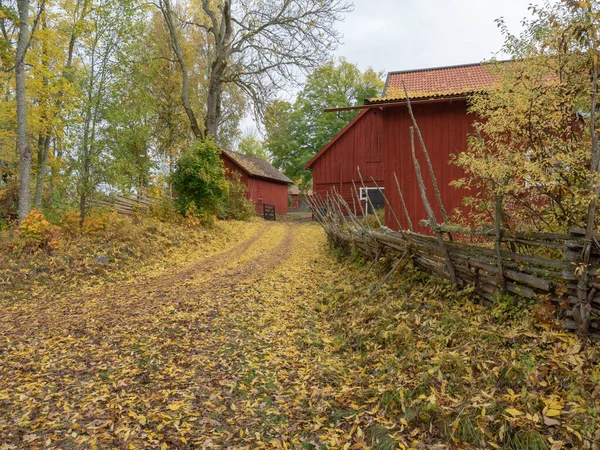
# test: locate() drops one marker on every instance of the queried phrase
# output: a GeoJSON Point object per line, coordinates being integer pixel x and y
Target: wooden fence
{"type": "Point", "coordinates": [532, 266]}
{"type": "Point", "coordinates": [563, 268]}
{"type": "Point", "coordinates": [126, 205]}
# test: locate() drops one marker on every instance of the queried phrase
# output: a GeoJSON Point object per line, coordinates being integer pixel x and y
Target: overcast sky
{"type": "Point", "coordinates": [390, 35]}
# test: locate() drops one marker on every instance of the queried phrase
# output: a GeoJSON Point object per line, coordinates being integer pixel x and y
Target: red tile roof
{"type": "Point", "coordinates": [438, 82]}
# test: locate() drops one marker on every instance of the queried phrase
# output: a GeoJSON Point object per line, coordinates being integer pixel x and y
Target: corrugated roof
{"type": "Point", "coordinates": [257, 167]}
{"type": "Point", "coordinates": [438, 82]}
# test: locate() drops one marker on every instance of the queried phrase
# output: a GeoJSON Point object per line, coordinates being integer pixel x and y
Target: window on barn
{"type": "Point", "coordinates": [375, 195]}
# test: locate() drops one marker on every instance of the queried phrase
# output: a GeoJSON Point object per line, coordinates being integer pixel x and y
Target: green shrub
{"type": "Point", "coordinates": [199, 179]}
{"type": "Point", "coordinates": [237, 205]}
{"type": "Point", "coordinates": [164, 210]}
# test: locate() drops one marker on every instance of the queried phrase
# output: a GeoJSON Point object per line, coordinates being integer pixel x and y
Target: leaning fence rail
{"type": "Point", "coordinates": [127, 204]}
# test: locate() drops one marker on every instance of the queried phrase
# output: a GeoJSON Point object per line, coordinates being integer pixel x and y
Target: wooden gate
{"type": "Point", "coordinates": [269, 212]}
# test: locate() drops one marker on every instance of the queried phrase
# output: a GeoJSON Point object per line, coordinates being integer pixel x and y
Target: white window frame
{"type": "Point", "coordinates": [363, 192]}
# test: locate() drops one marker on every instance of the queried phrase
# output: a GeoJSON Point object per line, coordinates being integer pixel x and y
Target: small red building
{"type": "Point", "coordinates": [266, 184]}
{"type": "Point", "coordinates": [295, 201]}
{"type": "Point", "coordinates": [439, 98]}
{"type": "Point", "coordinates": [358, 146]}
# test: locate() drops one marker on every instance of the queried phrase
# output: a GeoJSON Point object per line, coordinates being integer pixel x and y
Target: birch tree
{"type": "Point", "coordinates": [17, 19]}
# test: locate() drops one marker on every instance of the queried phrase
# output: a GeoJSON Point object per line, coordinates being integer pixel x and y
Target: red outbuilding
{"type": "Point", "coordinates": [266, 185]}
{"type": "Point", "coordinates": [357, 147]}
{"type": "Point", "coordinates": [439, 98]}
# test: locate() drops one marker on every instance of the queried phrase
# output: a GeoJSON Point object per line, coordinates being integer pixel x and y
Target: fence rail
{"type": "Point", "coordinates": [533, 266]}
{"type": "Point", "coordinates": [126, 205]}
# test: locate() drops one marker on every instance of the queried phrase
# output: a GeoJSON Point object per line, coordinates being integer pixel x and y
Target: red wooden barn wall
{"type": "Point", "coordinates": [295, 200]}
{"type": "Point", "coordinates": [360, 145]}
{"type": "Point", "coordinates": [445, 128]}
{"type": "Point", "coordinates": [261, 191]}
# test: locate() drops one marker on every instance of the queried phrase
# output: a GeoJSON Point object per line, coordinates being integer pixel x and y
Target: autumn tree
{"type": "Point", "coordinates": [296, 132]}
{"type": "Point", "coordinates": [533, 148]}
{"type": "Point", "coordinates": [257, 46]}
{"type": "Point", "coordinates": [16, 36]}
{"type": "Point", "coordinates": [110, 26]}
{"type": "Point", "coordinates": [252, 145]}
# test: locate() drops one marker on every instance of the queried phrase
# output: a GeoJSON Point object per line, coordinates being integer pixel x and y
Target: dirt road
{"type": "Point", "coordinates": [218, 351]}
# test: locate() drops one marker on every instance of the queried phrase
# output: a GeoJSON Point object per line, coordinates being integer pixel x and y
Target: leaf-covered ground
{"type": "Point", "coordinates": [259, 338]}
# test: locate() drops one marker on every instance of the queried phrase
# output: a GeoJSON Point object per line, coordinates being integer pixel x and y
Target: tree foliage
{"type": "Point", "coordinates": [534, 149]}
{"type": "Point", "coordinates": [251, 145]}
{"type": "Point", "coordinates": [237, 204]}
{"type": "Point", "coordinates": [256, 46]}
{"type": "Point", "coordinates": [296, 132]}
{"type": "Point", "coordinates": [199, 179]}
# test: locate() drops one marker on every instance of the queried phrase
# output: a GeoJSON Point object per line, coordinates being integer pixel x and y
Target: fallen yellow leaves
{"type": "Point", "coordinates": [259, 338]}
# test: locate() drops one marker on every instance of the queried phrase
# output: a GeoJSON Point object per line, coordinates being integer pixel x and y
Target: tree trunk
{"type": "Point", "coordinates": [24, 150]}
{"type": "Point", "coordinates": [82, 207]}
{"type": "Point", "coordinates": [222, 31]}
{"type": "Point", "coordinates": [54, 172]}
{"type": "Point", "coordinates": [213, 102]}
{"type": "Point", "coordinates": [165, 7]}
{"type": "Point", "coordinates": [43, 148]}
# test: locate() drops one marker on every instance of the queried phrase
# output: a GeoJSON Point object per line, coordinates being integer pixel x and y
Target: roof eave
{"type": "Point", "coordinates": [247, 172]}
{"type": "Point", "coordinates": [433, 99]}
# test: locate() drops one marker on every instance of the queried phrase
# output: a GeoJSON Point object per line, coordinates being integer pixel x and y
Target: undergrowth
{"type": "Point", "coordinates": [443, 370]}
{"type": "Point", "coordinates": [64, 255]}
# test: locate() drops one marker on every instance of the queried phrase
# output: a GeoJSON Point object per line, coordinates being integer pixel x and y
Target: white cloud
{"type": "Point", "coordinates": [407, 34]}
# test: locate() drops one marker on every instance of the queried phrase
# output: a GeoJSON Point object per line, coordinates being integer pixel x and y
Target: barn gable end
{"type": "Point", "coordinates": [378, 142]}
{"type": "Point", "coordinates": [266, 185]}
{"type": "Point", "coordinates": [358, 145]}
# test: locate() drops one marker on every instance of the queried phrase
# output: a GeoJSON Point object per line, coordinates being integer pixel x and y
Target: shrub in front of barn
{"type": "Point", "coordinates": [237, 206]}
{"type": "Point", "coordinates": [199, 181]}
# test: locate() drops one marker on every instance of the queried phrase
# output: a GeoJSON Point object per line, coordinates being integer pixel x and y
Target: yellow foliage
{"type": "Point", "coordinates": [253, 335]}
{"type": "Point", "coordinates": [36, 232]}
{"type": "Point", "coordinates": [97, 221]}
{"type": "Point", "coordinates": [534, 148]}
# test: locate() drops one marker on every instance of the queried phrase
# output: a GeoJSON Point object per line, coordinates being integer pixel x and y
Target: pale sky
{"type": "Point", "coordinates": [391, 35]}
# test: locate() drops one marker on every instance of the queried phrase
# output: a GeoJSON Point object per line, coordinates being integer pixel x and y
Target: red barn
{"type": "Point", "coordinates": [358, 145]}
{"type": "Point", "coordinates": [266, 184]}
{"type": "Point", "coordinates": [295, 201]}
{"type": "Point", "coordinates": [439, 98]}
{"type": "Point", "coordinates": [378, 140]}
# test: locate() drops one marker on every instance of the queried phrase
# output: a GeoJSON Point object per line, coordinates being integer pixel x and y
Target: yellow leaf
{"type": "Point", "coordinates": [514, 412]}
{"type": "Point", "coordinates": [552, 413]}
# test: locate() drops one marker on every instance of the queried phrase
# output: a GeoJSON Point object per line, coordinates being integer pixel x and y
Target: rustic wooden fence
{"type": "Point", "coordinates": [563, 268]}
{"type": "Point", "coordinates": [127, 204]}
{"type": "Point", "coordinates": [517, 270]}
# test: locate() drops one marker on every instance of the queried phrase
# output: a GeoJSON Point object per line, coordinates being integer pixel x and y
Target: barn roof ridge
{"type": "Point", "coordinates": [454, 66]}
{"type": "Point", "coordinates": [256, 167]}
